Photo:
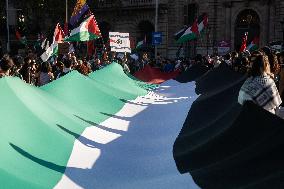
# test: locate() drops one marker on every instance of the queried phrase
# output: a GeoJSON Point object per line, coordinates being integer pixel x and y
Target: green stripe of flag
{"type": "Point", "coordinates": [39, 125]}
{"type": "Point", "coordinates": [82, 36]}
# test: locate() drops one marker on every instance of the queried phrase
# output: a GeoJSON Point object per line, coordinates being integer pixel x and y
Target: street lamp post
{"type": "Point", "coordinates": [282, 24]}
{"type": "Point", "coordinates": [66, 11]}
{"type": "Point", "coordinates": [208, 38]}
{"type": "Point", "coordinates": [8, 29]}
{"type": "Point", "coordinates": [156, 25]}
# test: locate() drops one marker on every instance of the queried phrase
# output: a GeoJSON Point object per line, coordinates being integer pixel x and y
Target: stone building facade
{"type": "Point", "coordinates": [228, 21]}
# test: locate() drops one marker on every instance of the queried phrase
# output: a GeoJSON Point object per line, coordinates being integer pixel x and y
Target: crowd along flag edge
{"type": "Point", "coordinates": [87, 31]}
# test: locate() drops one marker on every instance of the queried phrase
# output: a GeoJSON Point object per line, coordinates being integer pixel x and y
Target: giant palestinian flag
{"type": "Point", "coordinates": [154, 75]}
{"type": "Point", "coordinates": [224, 145]}
{"type": "Point", "coordinates": [108, 130]}
{"type": "Point", "coordinates": [87, 31]}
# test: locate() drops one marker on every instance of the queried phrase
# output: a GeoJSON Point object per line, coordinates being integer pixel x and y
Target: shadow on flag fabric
{"type": "Point", "coordinates": [53, 48]}
{"type": "Point", "coordinates": [87, 31]}
{"type": "Point", "coordinates": [80, 9]}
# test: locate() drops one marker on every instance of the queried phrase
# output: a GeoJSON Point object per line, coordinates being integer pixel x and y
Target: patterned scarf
{"type": "Point", "coordinates": [262, 91]}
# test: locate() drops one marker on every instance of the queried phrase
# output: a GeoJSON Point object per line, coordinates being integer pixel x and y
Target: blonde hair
{"type": "Point", "coordinates": [260, 65]}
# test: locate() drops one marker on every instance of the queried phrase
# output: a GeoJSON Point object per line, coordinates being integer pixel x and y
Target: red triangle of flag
{"type": "Point", "coordinates": [58, 34]}
{"type": "Point", "coordinates": [194, 27]}
{"type": "Point", "coordinates": [18, 35]}
{"type": "Point", "coordinates": [205, 20]}
{"type": "Point", "coordinates": [92, 26]}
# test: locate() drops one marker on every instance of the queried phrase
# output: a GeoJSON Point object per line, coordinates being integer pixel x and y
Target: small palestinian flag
{"type": "Point", "coordinates": [21, 38]}
{"type": "Point", "coordinates": [87, 31]}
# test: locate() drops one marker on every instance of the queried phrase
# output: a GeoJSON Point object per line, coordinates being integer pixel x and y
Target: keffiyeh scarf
{"type": "Point", "coordinates": [262, 91]}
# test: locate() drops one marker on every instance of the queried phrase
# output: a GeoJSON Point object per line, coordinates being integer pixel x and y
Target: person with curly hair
{"type": "Point", "coordinates": [260, 87]}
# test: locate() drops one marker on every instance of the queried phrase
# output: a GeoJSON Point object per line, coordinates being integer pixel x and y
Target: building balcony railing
{"type": "Point", "coordinates": [140, 2]}
{"type": "Point", "coordinates": [130, 3]}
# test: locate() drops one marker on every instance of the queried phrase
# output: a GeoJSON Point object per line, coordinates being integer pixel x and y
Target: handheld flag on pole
{"type": "Point", "coordinates": [254, 44]}
{"type": "Point", "coordinates": [193, 31]}
{"type": "Point", "coordinates": [178, 34]}
{"type": "Point", "coordinates": [80, 9]}
{"type": "Point", "coordinates": [244, 42]}
{"type": "Point", "coordinates": [190, 34]}
{"type": "Point", "coordinates": [53, 49]}
{"type": "Point", "coordinates": [21, 38]}
{"type": "Point", "coordinates": [202, 22]}
{"type": "Point", "coordinates": [141, 43]}
{"type": "Point", "coordinates": [66, 29]}
{"type": "Point", "coordinates": [87, 31]}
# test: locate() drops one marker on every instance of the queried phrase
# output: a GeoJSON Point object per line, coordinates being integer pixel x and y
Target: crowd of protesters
{"type": "Point", "coordinates": [265, 82]}
{"type": "Point", "coordinates": [32, 70]}
{"type": "Point", "coordinates": [264, 67]}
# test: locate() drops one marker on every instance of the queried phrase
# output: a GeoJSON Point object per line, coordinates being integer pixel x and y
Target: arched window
{"type": "Point", "coordinates": [247, 21]}
{"type": "Point", "coordinates": [145, 29]}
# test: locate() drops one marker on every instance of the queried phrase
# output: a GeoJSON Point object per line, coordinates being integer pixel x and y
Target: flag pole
{"type": "Point", "coordinates": [156, 26]}
{"type": "Point", "coordinates": [66, 16]}
{"type": "Point", "coordinates": [8, 29]}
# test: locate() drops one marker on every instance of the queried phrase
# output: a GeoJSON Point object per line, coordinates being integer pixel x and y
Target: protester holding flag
{"type": "Point", "coordinates": [244, 42]}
